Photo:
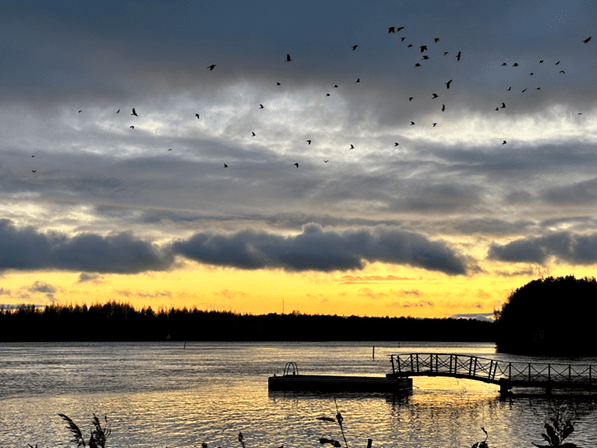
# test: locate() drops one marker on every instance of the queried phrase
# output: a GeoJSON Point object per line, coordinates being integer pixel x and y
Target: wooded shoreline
{"type": "Point", "coordinates": [114, 321]}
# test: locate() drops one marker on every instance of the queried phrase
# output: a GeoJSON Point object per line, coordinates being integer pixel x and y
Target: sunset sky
{"type": "Point", "coordinates": [415, 220]}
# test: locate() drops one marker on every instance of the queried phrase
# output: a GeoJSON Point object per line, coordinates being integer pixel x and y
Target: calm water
{"type": "Point", "coordinates": [163, 395]}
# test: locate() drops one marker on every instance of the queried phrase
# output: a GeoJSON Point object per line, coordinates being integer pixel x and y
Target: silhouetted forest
{"type": "Point", "coordinates": [550, 316]}
{"type": "Point", "coordinates": [115, 321]}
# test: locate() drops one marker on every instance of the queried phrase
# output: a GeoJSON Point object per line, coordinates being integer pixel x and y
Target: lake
{"type": "Point", "coordinates": [172, 394]}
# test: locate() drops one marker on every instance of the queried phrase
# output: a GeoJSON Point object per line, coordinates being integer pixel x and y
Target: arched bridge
{"type": "Point", "coordinates": [506, 374]}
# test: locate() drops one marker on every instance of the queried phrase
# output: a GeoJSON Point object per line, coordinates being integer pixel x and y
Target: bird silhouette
{"type": "Point", "coordinates": [354, 47]}
{"type": "Point", "coordinates": [351, 146]}
{"type": "Point", "coordinates": [309, 141]}
{"type": "Point", "coordinates": [412, 122]}
{"type": "Point", "coordinates": [325, 161]}
{"type": "Point", "coordinates": [515, 64]}
{"type": "Point", "coordinates": [524, 90]}
{"type": "Point", "coordinates": [417, 65]}
{"type": "Point", "coordinates": [296, 164]}
{"type": "Point", "coordinates": [134, 112]}
{"type": "Point", "coordinates": [434, 96]}
{"type": "Point", "coordinates": [436, 39]}
{"type": "Point", "coordinates": [211, 67]}
{"type": "Point", "coordinates": [423, 48]}
{"type": "Point", "coordinates": [410, 98]}
{"type": "Point", "coordinates": [586, 41]}
{"type": "Point", "coordinates": [541, 61]}
{"type": "Point", "coordinates": [252, 134]}
{"type": "Point", "coordinates": [402, 39]}
{"type": "Point", "coordinates": [225, 166]}
{"type": "Point", "coordinates": [509, 88]}
{"type": "Point", "coordinates": [434, 124]}
{"type": "Point", "coordinates": [396, 144]}
{"type": "Point", "coordinates": [278, 84]}
{"type": "Point", "coordinates": [503, 64]}
{"type": "Point", "coordinates": [562, 71]}
{"type": "Point", "coordinates": [399, 28]}
{"type": "Point", "coordinates": [169, 149]}
{"type": "Point", "coordinates": [391, 29]}
{"type": "Point", "coordinates": [81, 111]}
{"type": "Point", "coordinates": [261, 106]}
{"type": "Point", "coordinates": [443, 107]}
{"type": "Point", "coordinates": [288, 58]}
{"type": "Point", "coordinates": [558, 62]}
{"type": "Point", "coordinates": [132, 127]}
{"type": "Point", "coordinates": [503, 105]}
{"type": "Point", "coordinates": [197, 115]}
{"type": "Point", "coordinates": [448, 84]}
{"type": "Point", "coordinates": [358, 80]}
{"type": "Point", "coordinates": [33, 171]}
{"type": "Point", "coordinates": [458, 56]}
{"type": "Point", "coordinates": [118, 111]}
{"type": "Point", "coordinates": [504, 142]}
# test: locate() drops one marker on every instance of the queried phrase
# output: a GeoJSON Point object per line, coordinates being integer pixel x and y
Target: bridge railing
{"type": "Point", "coordinates": [491, 370]}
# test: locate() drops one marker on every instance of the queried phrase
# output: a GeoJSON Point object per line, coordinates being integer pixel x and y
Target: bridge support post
{"type": "Point", "coordinates": [505, 387]}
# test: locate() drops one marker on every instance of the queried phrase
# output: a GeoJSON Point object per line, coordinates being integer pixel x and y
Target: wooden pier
{"type": "Point", "coordinates": [291, 380]}
{"type": "Point", "coordinates": [505, 374]}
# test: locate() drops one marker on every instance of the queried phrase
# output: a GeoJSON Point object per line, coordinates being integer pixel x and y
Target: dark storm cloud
{"type": "Point", "coordinates": [27, 249]}
{"type": "Point", "coordinates": [321, 250]}
{"type": "Point", "coordinates": [563, 246]}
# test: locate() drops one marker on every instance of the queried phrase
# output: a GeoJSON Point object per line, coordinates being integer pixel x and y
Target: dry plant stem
{"type": "Point", "coordinates": [339, 418]}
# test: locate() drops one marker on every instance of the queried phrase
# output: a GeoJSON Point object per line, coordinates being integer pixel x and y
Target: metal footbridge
{"type": "Point", "coordinates": [505, 374]}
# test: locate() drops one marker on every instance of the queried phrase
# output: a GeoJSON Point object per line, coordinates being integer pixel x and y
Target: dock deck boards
{"type": "Point", "coordinates": [340, 383]}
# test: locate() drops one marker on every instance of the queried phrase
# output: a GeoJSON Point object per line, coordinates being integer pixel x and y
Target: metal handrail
{"type": "Point", "coordinates": [491, 370]}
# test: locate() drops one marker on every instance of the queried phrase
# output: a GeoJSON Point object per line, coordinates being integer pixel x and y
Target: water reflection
{"type": "Point", "coordinates": [164, 395]}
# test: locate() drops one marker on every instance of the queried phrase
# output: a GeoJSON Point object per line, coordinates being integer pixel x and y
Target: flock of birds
{"type": "Point", "coordinates": [423, 52]}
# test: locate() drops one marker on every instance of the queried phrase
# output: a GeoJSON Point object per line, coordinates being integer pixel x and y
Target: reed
{"type": "Point", "coordinates": [98, 435]}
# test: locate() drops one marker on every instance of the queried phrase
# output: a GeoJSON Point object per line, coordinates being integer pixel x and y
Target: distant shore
{"type": "Point", "coordinates": [115, 321]}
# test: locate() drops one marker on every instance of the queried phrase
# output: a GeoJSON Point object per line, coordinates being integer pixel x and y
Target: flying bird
{"type": "Point", "coordinates": [558, 62]}
{"type": "Point", "coordinates": [509, 88]}
{"type": "Point", "coordinates": [515, 64]}
{"type": "Point", "coordinates": [458, 56]}
{"type": "Point", "coordinates": [402, 39]}
{"type": "Point", "coordinates": [225, 166]}
{"type": "Point", "coordinates": [562, 71]}
{"type": "Point", "coordinates": [358, 80]}
{"type": "Point", "coordinates": [503, 64]}
{"type": "Point", "coordinates": [409, 45]}
{"type": "Point", "coordinates": [541, 61]}
{"type": "Point", "coordinates": [399, 28]}
{"type": "Point", "coordinates": [252, 134]}
{"type": "Point", "coordinates": [335, 86]}
{"type": "Point", "coordinates": [132, 127]}
{"type": "Point", "coordinates": [169, 149]}
{"type": "Point", "coordinates": [296, 164]}
{"type": "Point", "coordinates": [134, 112]}
{"type": "Point", "coordinates": [504, 142]}
{"type": "Point", "coordinates": [354, 47]}
{"type": "Point", "coordinates": [118, 111]}
{"type": "Point", "coordinates": [288, 58]}
{"type": "Point", "coordinates": [425, 57]}
{"type": "Point", "coordinates": [410, 98]}
{"type": "Point", "coordinates": [197, 115]}
{"type": "Point", "coordinates": [586, 41]}
{"type": "Point", "coordinates": [417, 65]}
{"type": "Point", "coordinates": [443, 107]}
{"type": "Point", "coordinates": [327, 94]}
{"type": "Point", "coordinates": [503, 105]}
{"type": "Point", "coordinates": [434, 124]}
{"type": "Point", "coordinates": [325, 161]}
{"type": "Point", "coordinates": [412, 122]}
{"type": "Point", "coordinates": [448, 84]}
{"type": "Point", "coordinates": [524, 90]}
{"type": "Point", "coordinates": [423, 48]}
{"type": "Point", "coordinates": [434, 96]}
{"type": "Point", "coordinates": [278, 84]}
{"type": "Point", "coordinates": [211, 67]}
{"type": "Point", "coordinates": [33, 171]}
{"type": "Point", "coordinates": [261, 106]}
{"type": "Point", "coordinates": [436, 39]}
{"type": "Point", "coordinates": [309, 141]}
{"type": "Point", "coordinates": [351, 146]}
{"type": "Point", "coordinates": [81, 111]}
{"type": "Point", "coordinates": [391, 29]}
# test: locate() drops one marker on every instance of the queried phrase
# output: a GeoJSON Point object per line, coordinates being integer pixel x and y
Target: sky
{"type": "Point", "coordinates": [440, 167]}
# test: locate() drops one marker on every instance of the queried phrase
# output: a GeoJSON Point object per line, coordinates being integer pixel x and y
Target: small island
{"type": "Point", "coordinates": [549, 316]}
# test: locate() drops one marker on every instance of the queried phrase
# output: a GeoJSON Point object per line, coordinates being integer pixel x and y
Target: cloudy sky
{"type": "Point", "coordinates": [409, 198]}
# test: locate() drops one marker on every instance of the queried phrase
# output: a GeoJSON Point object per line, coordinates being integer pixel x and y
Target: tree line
{"type": "Point", "coordinates": [116, 321]}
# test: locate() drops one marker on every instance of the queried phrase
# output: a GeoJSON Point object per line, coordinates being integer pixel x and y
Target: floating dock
{"type": "Point", "coordinates": [291, 380]}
